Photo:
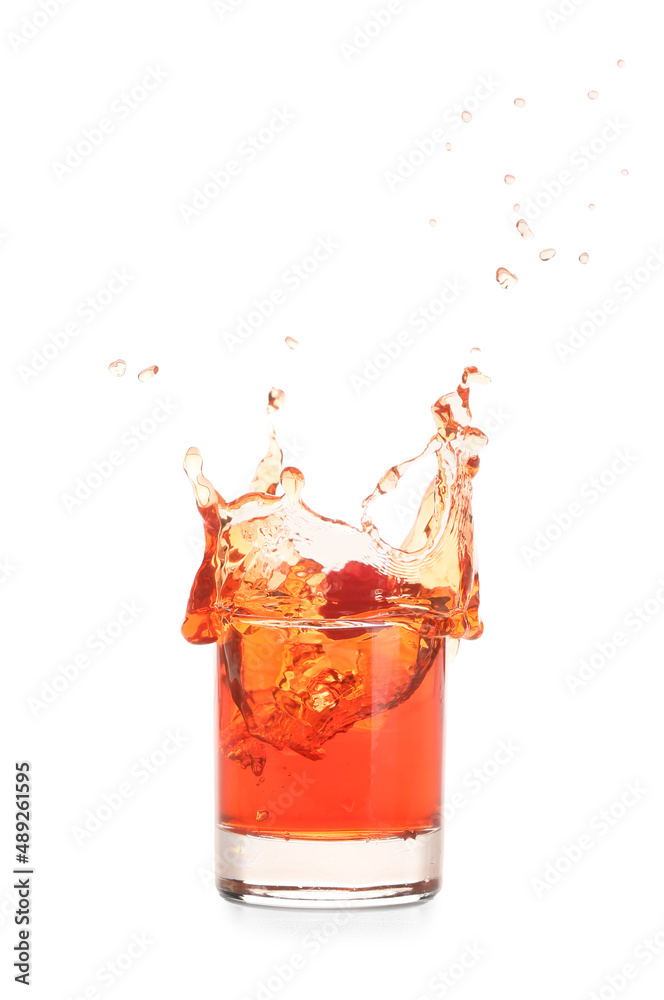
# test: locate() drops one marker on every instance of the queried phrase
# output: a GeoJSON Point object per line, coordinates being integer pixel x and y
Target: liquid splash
{"type": "Point", "coordinates": [330, 590]}
{"type": "Point", "coordinates": [519, 102]}
{"type": "Point", "coordinates": [584, 258]}
{"type": "Point", "coordinates": [620, 64]}
{"type": "Point", "coordinates": [117, 368]}
{"type": "Point", "coordinates": [516, 207]}
{"type": "Point", "coordinates": [509, 178]}
{"type": "Point", "coordinates": [547, 254]}
{"type": "Point", "coordinates": [593, 95]}
{"type": "Point", "coordinates": [148, 373]}
{"type": "Point", "coordinates": [505, 278]}
{"type": "Point", "coordinates": [591, 207]}
{"type": "Point", "coordinates": [624, 172]}
{"type": "Point", "coordinates": [466, 115]}
{"type": "Point", "coordinates": [292, 343]}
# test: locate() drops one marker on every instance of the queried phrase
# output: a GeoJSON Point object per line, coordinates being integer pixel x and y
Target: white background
{"type": "Point", "coordinates": [554, 425]}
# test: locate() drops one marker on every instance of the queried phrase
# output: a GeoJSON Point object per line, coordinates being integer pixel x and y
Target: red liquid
{"type": "Point", "coordinates": [354, 720]}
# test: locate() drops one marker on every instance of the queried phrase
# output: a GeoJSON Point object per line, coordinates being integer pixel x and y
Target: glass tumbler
{"type": "Point", "coordinates": [329, 776]}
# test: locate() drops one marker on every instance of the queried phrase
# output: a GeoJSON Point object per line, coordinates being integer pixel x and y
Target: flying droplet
{"type": "Point", "coordinates": [593, 95]}
{"type": "Point", "coordinates": [505, 278]}
{"type": "Point", "coordinates": [525, 229]}
{"type": "Point", "coordinates": [519, 102]}
{"type": "Point", "coordinates": [621, 63]}
{"type": "Point", "coordinates": [591, 207]}
{"type": "Point", "coordinates": [584, 258]}
{"type": "Point", "coordinates": [475, 350]}
{"type": "Point", "coordinates": [624, 172]}
{"type": "Point", "coordinates": [466, 115]}
{"type": "Point", "coordinates": [509, 178]}
{"type": "Point", "coordinates": [516, 207]}
{"type": "Point", "coordinates": [148, 373]}
{"type": "Point", "coordinates": [432, 222]}
{"type": "Point", "coordinates": [261, 815]}
{"type": "Point", "coordinates": [275, 400]}
{"type": "Point", "coordinates": [547, 254]}
{"type": "Point", "coordinates": [292, 343]}
{"type": "Point", "coordinates": [117, 368]}
{"type": "Point", "coordinates": [448, 146]}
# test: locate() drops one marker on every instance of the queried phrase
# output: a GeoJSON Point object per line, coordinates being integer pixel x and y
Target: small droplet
{"type": "Point", "coordinates": [624, 172]}
{"type": "Point", "coordinates": [275, 400]}
{"type": "Point", "coordinates": [448, 146]}
{"type": "Point", "coordinates": [547, 254]}
{"type": "Point", "coordinates": [292, 343]}
{"type": "Point", "coordinates": [432, 222]}
{"type": "Point", "coordinates": [148, 373]}
{"type": "Point", "coordinates": [591, 206]}
{"type": "Point", "coordinates": [584, 258]}
{"type": "Point", "coordinates": [505, 278]}
{"type": "Point", "coordinates": [466, 115]}
{"type": "Point", "coordinates": [593, 95]}
{"type": "Point", "coordinates": [621, 63]}
{"type": "Point", "coordinates": [516, 207]}
{"type": "Point", "coordinates": [509, 178]}
{"type": "Point", "coordinates": [261, 815]}
{"type": "Point", "coordinates": [525, 229]}
{"type": "Point", "coordinates": [292, 481]}
{"type": "Point", "coordinates": [117, 368]}
{"type": "Point", "coordinates": [475, 350]}
{"type": "Point", "coordinates": [519, 102]}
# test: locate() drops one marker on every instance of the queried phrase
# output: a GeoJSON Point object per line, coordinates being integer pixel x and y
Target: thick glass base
{"type": "Point", "coordinates": [379, 871]}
